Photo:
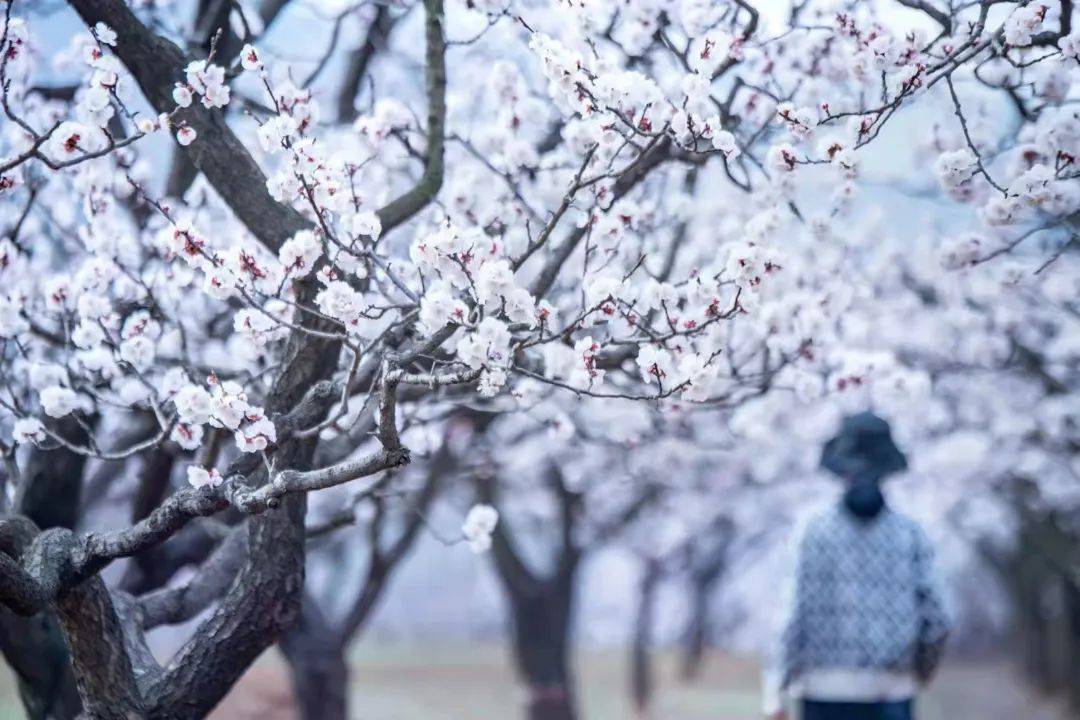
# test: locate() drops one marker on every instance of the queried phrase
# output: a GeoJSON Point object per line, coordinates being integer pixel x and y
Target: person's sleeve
{"type": "Point", "coordinates": [934, 620]}
{"type": "Point", "coordinates": [785, 662]}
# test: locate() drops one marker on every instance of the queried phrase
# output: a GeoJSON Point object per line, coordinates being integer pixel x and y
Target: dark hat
{"type": "Point", "coordinates": [863, 448]}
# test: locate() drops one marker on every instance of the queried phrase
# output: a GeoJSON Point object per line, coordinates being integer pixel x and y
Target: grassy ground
{"type": "Point", "coordinates": [477, 683]}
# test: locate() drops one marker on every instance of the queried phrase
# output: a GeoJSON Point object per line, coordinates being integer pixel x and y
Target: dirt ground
{"type": "Point", "coordinates": [477, 683]}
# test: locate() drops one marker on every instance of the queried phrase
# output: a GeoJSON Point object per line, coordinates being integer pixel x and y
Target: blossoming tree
{"type": "Point", "coordinates": [621, 202]}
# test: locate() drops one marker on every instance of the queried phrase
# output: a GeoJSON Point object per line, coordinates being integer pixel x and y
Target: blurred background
{"type": "Point", "coordinates": [677, 635]}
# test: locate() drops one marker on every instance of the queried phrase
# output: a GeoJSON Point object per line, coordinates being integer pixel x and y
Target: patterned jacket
{"type": "Point", "coordinates": [866, 597]}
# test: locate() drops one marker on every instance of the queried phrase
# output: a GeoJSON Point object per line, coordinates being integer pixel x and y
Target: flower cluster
{"type": "Point", "coordinates": [224, 406]}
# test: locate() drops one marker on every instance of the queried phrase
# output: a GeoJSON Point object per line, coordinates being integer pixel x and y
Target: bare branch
{"type": "Point", "coordinates": [939, 16]}
{"type": "Point", "coordinates": [414, 200]}
{"type": "Point", "coordinates": [178, 604]}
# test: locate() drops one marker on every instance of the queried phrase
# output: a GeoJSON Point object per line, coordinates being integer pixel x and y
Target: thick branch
{"type": "Point", "coordinates": [18, 590]}
{"type": "Point", "coordinates": [100, 653]}
{"type": "Point", "coordinates": [169, 606]}
{"type": "Point", "coordinates": [156, 65]}
{"type": "Point", "coordinates": [941, 17]}
{"type": "Point", "coordinates": [414, 200]}
{"type": "Point", "coordinates": [99, 648]}
{"type": "Point", "coordinates": [264, 599]}
{"type": "Point", "coordinates": [293, 481]}
{"type": "Point", "coordinates": [360, 59]}
{"type": "Point", "coordinates": [179, 509]}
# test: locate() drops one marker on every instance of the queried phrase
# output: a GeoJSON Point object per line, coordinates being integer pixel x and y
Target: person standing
{"type": "Point", "coordinates": [867, 625]}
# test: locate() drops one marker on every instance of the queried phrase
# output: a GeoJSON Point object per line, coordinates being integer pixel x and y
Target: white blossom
{"type": "Point", "coordinates": [366, 224]}
{"type": "Point", "coordinates": [700, 376]}
{"type": "Point", "coordinates": [492, 381]}
{"type": "Point", "coordinates": [955, 167]}
{"type": "Point", "coordinates": [1024, 22]}
{"type": "Point", "coordinates": [193, 405]}
{"type": "Point", "coordinates": [216, 96]}
{"type": "Point", "coordinates": [249, 58]}
{"type": "Point", "coordinates": [58, 401]}
{"type": "Point", "coordinates": [480, 523]}
{"type": "Point", "coordinates": [256, 435]}
{"type": "Point", "coordinates": [656, 365]}
{"type": "Point", "coordinates": [182, 95]}
{"type": "Point", "coordinates": [185, 135]}
{"type": "Point", "coordinates": [1035, 186]}
{"type": "Point", "coordinates": [275, 132]}
{"type": "Point", "coordinates": [781, 158]}
{"type": "Point", "coordinates": [105, 34]}
{"type": "Point", "coordinates": [12, 324]}
{"type": "Point", "coordinates": [229, 406]}
{"type": "Point", "coordinates": [1070, 46]}
{"type": "Point", "coordinates": [186, 436]}
{"type": "Point", "coordinates": [488, 345]}
{"type": "Point", "coordinates": [299, 253]}
{"type": "Point", "coordinates": [28, 430]}
{"type": "Point", "coordinates": [138, 351]}
{"type": "Point", "coordinates": [199, 478]}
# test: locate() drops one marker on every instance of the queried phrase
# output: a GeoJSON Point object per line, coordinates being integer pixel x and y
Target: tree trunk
{"type": "Point", "coordinates": [96, 640]}
{"type": "Point", "coordinates": [697, 631]}
{"type": "Point", "coordinates": [321, 686]}
{"type": "Point", "coordinates": [35, 650]}
{"type": "Point", "coordinates": [51, 486]}
{"type": "Point", "coordinates": [703, 581]}
{"type": "Point", "coordinates": [1074, 645]}
{"type": "Point", "coordinates": [541, 647]}
{"type": "Point", "coordinates": [641, 676]}
{"type": "Point", "coordinates": [211, 18]}
{"type": "Point", "coordinates": [320, 673]}
{"type": "Point", "coordinates": [34, 647]}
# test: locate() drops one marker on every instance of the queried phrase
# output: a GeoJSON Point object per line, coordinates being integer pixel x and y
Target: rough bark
{"type": "Point", "coordinates": [169, 606]}
{"type": "Point", "coordinates": [99, 649]}
{"type": "Point", "coordinates": [96, 640]}
{"type": "Point", "coordinates": [264, 600]}
{"type": "Point", "coordinates": [152, 568]}
{"type": "Point", "coordinates": [34, 646]}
